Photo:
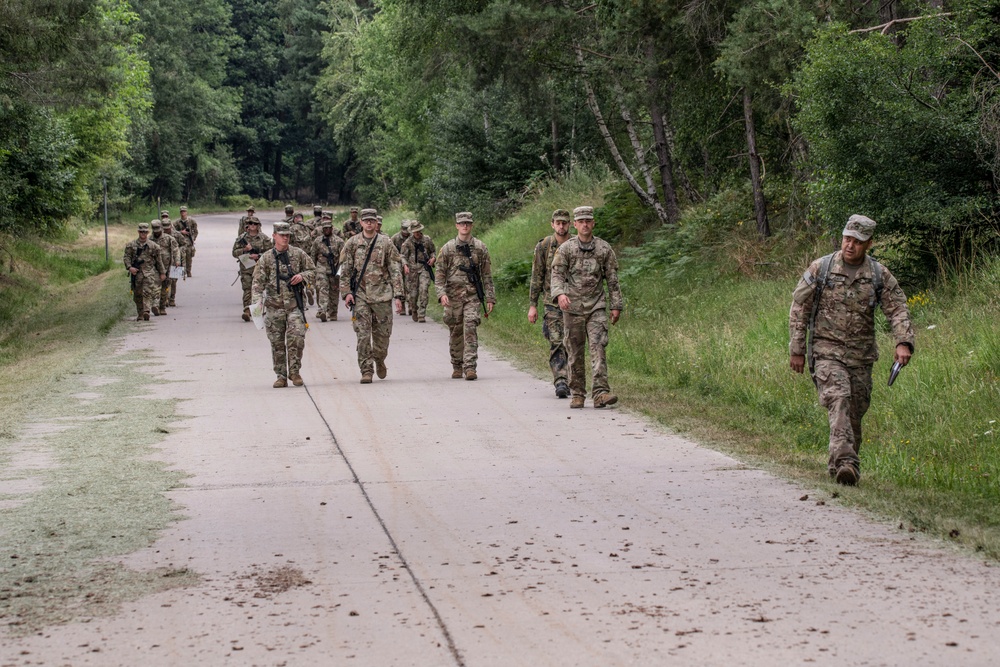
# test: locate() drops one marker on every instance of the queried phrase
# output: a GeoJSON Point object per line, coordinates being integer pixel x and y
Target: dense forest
{"type": "Point", "coordinates": [806, 110]}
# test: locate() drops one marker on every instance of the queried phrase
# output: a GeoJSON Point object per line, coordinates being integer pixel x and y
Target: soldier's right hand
{"type": "Point", "coordinates": [532, 314]}
{"type": "Point", "coordinates": [563, 302]}
{"type": "Point", "coordinates": [133, 270]}
{"type": "Point", "coordinates": [444, 300]}
{"type": "Point", "coordinates": [798, 362]}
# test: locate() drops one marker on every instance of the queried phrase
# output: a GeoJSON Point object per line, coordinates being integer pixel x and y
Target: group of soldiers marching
{"type": "Point", "coordinates": [157, 259]}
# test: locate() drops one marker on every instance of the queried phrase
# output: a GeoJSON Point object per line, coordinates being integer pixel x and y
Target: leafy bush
{"type": "Point", "coordinates": [513, 274]}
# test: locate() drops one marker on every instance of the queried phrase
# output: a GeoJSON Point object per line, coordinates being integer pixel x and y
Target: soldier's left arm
{"type": "Point", "coordinates": [894, 306]}
{"type": "Point", "coordinates": [193, 226]}
{"type": "Point", "coordinates": [615, 299]}
{"type": "Point", "coordinates": [395, 273]}
{"type": "Point", "coordinates": [160, 268]}
{"type": "Point", "coordinates": [308, 268]}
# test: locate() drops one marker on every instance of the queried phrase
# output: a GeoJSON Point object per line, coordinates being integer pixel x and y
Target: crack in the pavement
{"type": "Point", "coordinates": [452, 648]}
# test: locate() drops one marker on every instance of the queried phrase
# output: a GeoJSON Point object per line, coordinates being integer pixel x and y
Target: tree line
{"type": "Point", "coordinates": [813, 109]}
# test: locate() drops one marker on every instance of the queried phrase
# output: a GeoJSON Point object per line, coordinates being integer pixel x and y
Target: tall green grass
{"type": "Point", "coordinates": [704, 349]}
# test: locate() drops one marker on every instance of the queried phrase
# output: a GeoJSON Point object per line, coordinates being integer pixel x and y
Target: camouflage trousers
{"type": "Point", "coordinates": [173, 292]}
{"type": "Point", "coordinates": [582, 331]}
{"type": "Point", "coordinates": [418, 285]}
{"type": "Point", "coordinates": [246, 282]}
{"type": "Point", "coordinates": [286, 329]}
{"type": "Point", "coordinates": [328, 294]}
{"type": "Point", "coordinates": [373, 325]}
{"type": "Point", "coordinates": [146, 294]}
{"type": "Point", "coordinates": [462, 318]}
{"type": "Point", "coordinates": [165, 296]}
{"type": "Point", "coordinates": [846, 393]}
{"type": "Point", "coordinates": [188, 257]}
{"type": "Point", "coordinates": [552, 329]}
{"type": "Point", "coordinates": [406, 286]}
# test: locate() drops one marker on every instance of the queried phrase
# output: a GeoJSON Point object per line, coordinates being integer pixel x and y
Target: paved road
{"type": "Point", "coordinates": [422, 520]}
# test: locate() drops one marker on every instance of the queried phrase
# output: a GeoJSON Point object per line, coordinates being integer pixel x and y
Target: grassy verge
{"type": "Point", "coordinates": [702, 349]}
{"type": "Point", "coordinates": [80, 485]}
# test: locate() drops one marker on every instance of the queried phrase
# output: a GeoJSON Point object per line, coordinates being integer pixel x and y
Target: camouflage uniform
{"type": "Point", "coordinates": [380, 284]}
{"type": "Point", "coordinates": [844, 346]}
{"type": "Point", "coordinates": [579, 271]}
{"type": "Point", "coordinates": [146, 290]}
{"type": "Point", "coordinates": [397, 240]}
{"type": "Point", "coordinates": [462, 313]}
{"type": "Point", "coordinates": [552, 320]}
{"type": "Point", "coordinates": [326, 256]}
{"type": "Point", "coordinates": [246, 218]}
{"type": "Point", "coordinates": [191, 227]}
{"type": "Point", "coordinates": [260, 244]}
{"type": "Point", "coordinates": [284, 322]}
{"type": "Point", "coordinates": [170, 255]}
{"type": "Point", "coordinates": [416, 253]}
{"type": "Point", "coordinates": [351, 227]}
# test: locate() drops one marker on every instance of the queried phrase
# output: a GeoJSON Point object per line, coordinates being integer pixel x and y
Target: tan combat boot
{"type": "Point", "coordinates": [156, 311]}
{"type": "Point", "coordinates": [280, 382]}
{"type": "Point", "coordinates": [413, 314]}
{"type": "Point", "coordinates": [604, 400]}
{"type": "Point", "coordinates": [366, 378]}
{"type": "Point", "coordinates": [456, 373]}
{"type": "Point", "coordinates": [380, 369]}
{"type": "Point", "coordinates": [246, 315]}
{"type": "Point", "coordinates": [296, 379]}
{"type": "Point", "coordinates": [577, 402]}
{"type": "Point", "coordinates": [471, 374]}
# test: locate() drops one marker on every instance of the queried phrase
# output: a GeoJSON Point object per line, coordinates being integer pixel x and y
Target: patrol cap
{"type": "Point", "coordinates": [404, 226]}
{"type": "Point", "coordinates": [860, 227]}
{"type": "Point", "coordinates": [289, 208]}
{"type": "Point", "coordinates": [317, 210]}
{"type": "Point", "coordinates": [327, 215]}
{"type": "Point", "coordinates": [368, 213]}
{"type": "Point", "coordinates": [415, 226]}
{"type": "Point", "coordinates": [164, 214]}
{"type": "Point", "coordinates": [253, 220]}
{"type": "Point", "coordinates": [144, 227]}
{"type": "Point", "coordinates": [379, 219]}
{"type": "Point", "coordinates": [298, 216]}
{"type": "Point", "coordinates": [583, 213]}
{"type": "Point", "coordinates": [184, 209]}
{"type": "Point", "coordinates": [251, 208]}
{"type": "Point", "coordinates": [281, 228]}
{"type": "Point", "coordinates": [354, 209]}
{"type": "Point", "coordinates": [560, 214]}
{"type": "Point", "coordinates": [464, 216]}
{"type": "Point", "coordinates": [155, 224]}
{"type": "Point", "coordinates": [327, 222]}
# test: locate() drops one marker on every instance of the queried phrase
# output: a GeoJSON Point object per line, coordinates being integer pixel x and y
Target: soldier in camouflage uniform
{"type": "Point", "coordinates": [397, 240]}
{"type": "Point", "coordinates": [418, 257]}
{"type": "Point", "coordinates": [188, 228]}
{"type": "Point", "coordinates": [289, 214]}
{"type": "Point", "coordinates": [377, 283]}
{"type": "Point", "coordinates": [254, 244]}
{"type": "Point", "coordinates": [147, 276]}
{"type": "Point", "coordinates": [170, 255]}
{"type": "Point", "coordinates": [352, 226]}
{"type": "Point", "coordinates": [277, 271]}
{"type": "Point", "coordinates": [457, 294]}
{"type": "Point", "coordinates": [326, 256]}
{"type": "Point", "coordinates": [168, 228]}
{"type": "Point", "coordinates": [580, 268]}
{"type": "Point", "coordinates": [314, 222]}
{"type": "Point", "coordinates": [302, 239]}
{"type": "Point", "coordinates": [843, 347]}
{"type": "Point", "coordinates": [541, 281]}
{"type": "Point", "coordinates": [251, 215]}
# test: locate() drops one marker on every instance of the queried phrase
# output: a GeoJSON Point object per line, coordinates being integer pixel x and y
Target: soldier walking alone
{"type": "Point", "coordinates": [279, 279]}
{"type": "Point", "coordinates": [541, 286]}
{"type": "Point", "coordinates": [580, 269]}
{"type": "Point", "coordinates": [370, 263]}
{"type": "Point", "coordinates": [464, 284]}
{"type": "Point", "coordinates": [832, 322]}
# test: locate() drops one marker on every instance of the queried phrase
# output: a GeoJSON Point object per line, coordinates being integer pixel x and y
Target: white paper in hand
{"type": "Point", "coordinates": [176, 272]}
{"type": "Point", "coordinates": [257, 314]}
{"type": "Point", "coordinates": [247, 261]}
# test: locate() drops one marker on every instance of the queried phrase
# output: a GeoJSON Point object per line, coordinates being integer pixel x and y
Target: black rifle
{"type": "Point", "coordinates": [356, 277]}
{"type": "Point", "coordinates": [330, 261]}
{"type": "Point", "coordinates": [137, 264]}
{"type": "Point", "coordinates": [418, 250]}
{"type": "Point", "coordinates": [472, 270]}
{"type": "Point", "coordinates": [297, 289]}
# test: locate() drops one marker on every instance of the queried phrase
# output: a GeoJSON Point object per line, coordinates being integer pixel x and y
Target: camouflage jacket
{"type": "Point", "coordinates": [845, 320]}
{"type": "Point", "coordinates": [580, 270]}
{"type": "Point", "coordinates": [326, 253]}
{"type": "Point", "coordinates": [541, 271]}
{"type": "Point", "coordinates": [170, 249]}
{"type": "Point", "coordinates": [271, 276]}
{"type": "Point", "coordinates": [152, 266]}
{"type": "Point", "coordinates": [301, 235]}
{"type": "Point", "coordinates": [449, 277]}
{"type": "Point", "coordinates": [416, 252]}
{"type": "Point", "coordinates": [260, 244]}
{"type": "Point", "coordinates": [383, 279]}
{"type": "Point", "coordinates": [351, 228]}
{"type": "Point", "coordinates": [189, 225]}
{"type": "Point", "coordinates": [398, 240]}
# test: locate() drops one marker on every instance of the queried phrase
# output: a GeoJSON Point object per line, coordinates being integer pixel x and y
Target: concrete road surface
{"type": "Point", "coordinates": [422, 520]}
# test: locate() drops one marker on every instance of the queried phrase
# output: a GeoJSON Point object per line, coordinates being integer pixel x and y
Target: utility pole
{"type": "Point", "coordinates": [107, 254]}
